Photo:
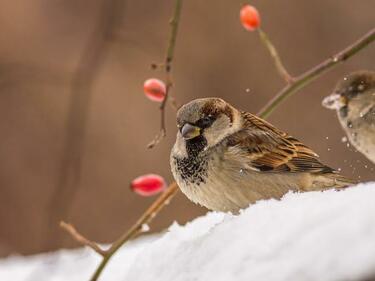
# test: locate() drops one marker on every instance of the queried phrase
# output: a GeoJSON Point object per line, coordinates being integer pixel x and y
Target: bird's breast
{"type": "Point", "coordinates": [192, 170]}
{"type": "Point", "coordinates": [212, 183]}
{"type": "Point", "coordinates": [221, 184]}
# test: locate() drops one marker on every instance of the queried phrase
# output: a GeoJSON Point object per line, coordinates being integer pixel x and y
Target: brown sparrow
{"type": "Point", "coordinates": [225, 159]}
{"type": "Point", "coordinates": [354, 101]}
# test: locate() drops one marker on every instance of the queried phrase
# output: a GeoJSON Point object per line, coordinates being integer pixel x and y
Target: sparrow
{"type": "Point", "coordinates": [354, 101]}
{"type": "Point", "coordinates": [226, 159]}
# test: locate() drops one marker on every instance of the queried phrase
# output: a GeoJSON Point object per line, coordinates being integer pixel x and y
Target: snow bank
{"type": "Point", "coordinates": [69, 265]}
{"type": "Point", "coordinates": [307, 236]}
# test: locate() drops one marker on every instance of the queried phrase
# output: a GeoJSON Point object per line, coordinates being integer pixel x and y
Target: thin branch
{"type": "Point", "coordinates": [168, 69]}
{"type": "Point", "coordinates": [166, 196]}
{"type": "Point", "coordinates": [145, 219]}
{"type": "Point", "coordinates": [275, 56]}
{"type": "Point", "coordinates": [307, 77]}
{"type": "Point", "coordinates": [81, 239]}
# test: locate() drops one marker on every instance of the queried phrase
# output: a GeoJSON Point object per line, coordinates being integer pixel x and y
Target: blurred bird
{"type": "Point", "coordinates": [225, 159]}
{"type": "Point", "coordinates": [354, 101]}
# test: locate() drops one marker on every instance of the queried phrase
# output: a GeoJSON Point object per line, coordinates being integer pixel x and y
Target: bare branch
{"type": "Point", "coordinates": [168, 68]}
{"type": "Point", "coordinates": [81, 239]}
{"type": "Point", "coordinates": [307, 77]}
{"type": "Point", "coordinates": [275, 56]}
{"type": "Point", "coordinates": [134, 231]}
{"type": "Point", "coordinates": [146, 218]}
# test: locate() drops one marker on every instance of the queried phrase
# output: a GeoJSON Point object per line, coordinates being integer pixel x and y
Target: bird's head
{"type": "Point", "coordinates": [203, 123]}
{"type": "Point", "coordinates": [351, 88]}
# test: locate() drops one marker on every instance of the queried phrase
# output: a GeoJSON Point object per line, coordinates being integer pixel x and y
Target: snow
{"type": "Point", "coordinates": [72, 265]}
{"type": "Point", "coordinates": [305, 236]}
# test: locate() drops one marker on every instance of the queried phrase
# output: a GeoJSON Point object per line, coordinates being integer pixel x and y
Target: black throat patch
{"type": "Point", "coordinates": [195, 146]}
{"type": "Point", "coordinates": [193, 168]}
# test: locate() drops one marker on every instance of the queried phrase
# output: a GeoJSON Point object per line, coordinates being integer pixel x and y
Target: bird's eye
{"type": "Point", "coordinates": [206, 121]}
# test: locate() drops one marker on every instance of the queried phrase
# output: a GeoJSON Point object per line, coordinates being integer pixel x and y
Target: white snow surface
{"type": "Point", "coordinates": [305, 236]}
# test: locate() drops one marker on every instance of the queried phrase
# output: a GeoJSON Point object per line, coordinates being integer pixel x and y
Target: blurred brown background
{"type": "Point", "coordinates": [70, 62]}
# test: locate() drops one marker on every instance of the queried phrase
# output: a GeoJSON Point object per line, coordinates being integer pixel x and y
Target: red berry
{"type": "Point", "coordinates": [154, 89]}
{"type": "Point", "coordinates": [148, 185]}
{"type": "Point", "coordinates": [249, 17]}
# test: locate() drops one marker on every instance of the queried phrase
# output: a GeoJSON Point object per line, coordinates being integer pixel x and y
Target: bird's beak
{"type": "Point", "coordinates": [189, 131]}
{"type": "Point", "coordinates": [334, 101]}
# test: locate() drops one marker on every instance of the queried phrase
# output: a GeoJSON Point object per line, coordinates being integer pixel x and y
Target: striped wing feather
{"type": "Point", "coordinates": [271, 150]}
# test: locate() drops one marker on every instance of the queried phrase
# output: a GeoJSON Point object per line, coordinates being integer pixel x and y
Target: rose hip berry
{"type": "Point", "coordinates": [148, 185]}
{"type": "Point", "coordinates": [249, 17]}
{"type": "Point", "coordinates": [154, 89]}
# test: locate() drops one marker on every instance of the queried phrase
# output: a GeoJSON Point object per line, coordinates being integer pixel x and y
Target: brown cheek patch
{"type": "Point", "coordinates": [215, 109]}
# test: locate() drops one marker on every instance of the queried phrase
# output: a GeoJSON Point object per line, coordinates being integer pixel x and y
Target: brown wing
{"type": "Point", "coordinates": [271, 150]}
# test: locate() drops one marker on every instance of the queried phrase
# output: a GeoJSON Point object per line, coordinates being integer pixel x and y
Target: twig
{"type": "Point", "coordinates": [168, 68]}
{"type": "Point", "coordinates": [275, 56]}
{"type": "Point", "coordinates": [81, 239]}
{"type": "Point", "coordinates": [146, 218]}
{"type": "Point", "coordinates": [307, 77]}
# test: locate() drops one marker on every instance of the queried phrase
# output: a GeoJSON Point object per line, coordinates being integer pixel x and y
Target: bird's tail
{"type": "Point", "coordinates": [332, 180]}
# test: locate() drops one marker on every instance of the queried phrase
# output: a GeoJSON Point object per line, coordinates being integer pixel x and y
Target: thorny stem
{"type": "Point", "coordinates": [275, 56]}
{"type": "Point", "coordinates": [168, 68]}
{"type": "Point", "coordinates": [307, 77]}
